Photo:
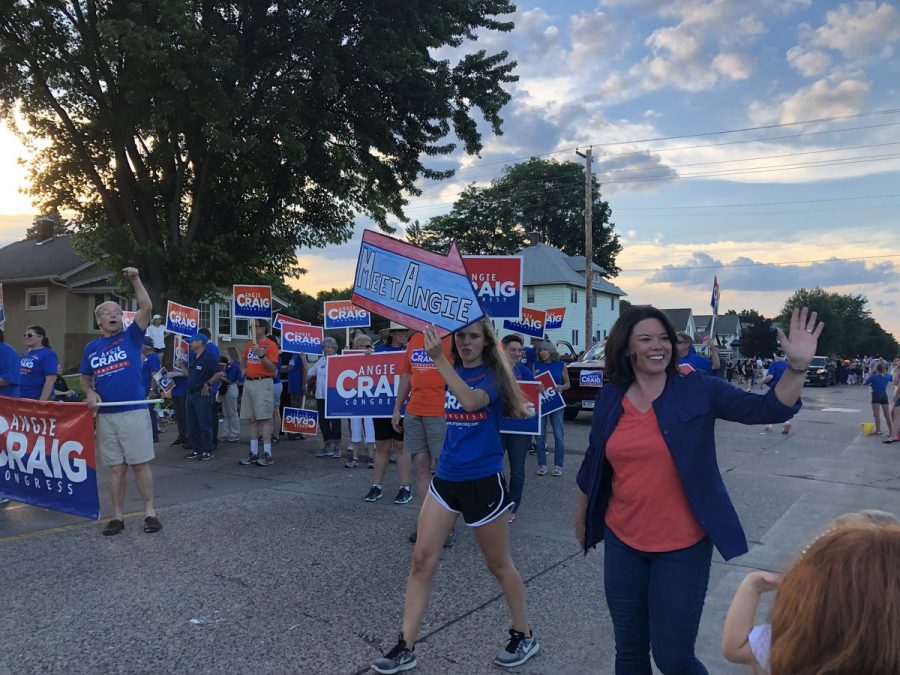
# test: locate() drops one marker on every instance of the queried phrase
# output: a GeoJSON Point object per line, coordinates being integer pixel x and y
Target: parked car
{"type": "Point", "coordinates": [585, 378]}
{"type": "Point", "coordinates": [821, 371]}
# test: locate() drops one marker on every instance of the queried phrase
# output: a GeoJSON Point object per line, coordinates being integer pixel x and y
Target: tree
{"type": "Point", "coordinates": [850, 329]}
{"type": "Point", "coordinates": [206, 142]}
{"type": "Point", "coordinates": [540, 196]}
{"type": "Point", "coordinates": [759, 338]}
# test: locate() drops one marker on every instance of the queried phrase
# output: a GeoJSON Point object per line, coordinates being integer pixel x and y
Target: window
{"type": "Point", "coordinates": [35, 298]}
{"type": "Point", "coordinates": [573, 297]}
{"type": "Point", "coordinates": [604, 333]}
{"type": "Point", "coordinates": [205, 311]}
{"type": "Point", "coordinates": [224, 311]}
{"type": "Point", "coordinates": [612, 303]}
{"type": "Point", "coordinates": [529, 294]}
{"type": "Point", "coordinates": [574, 336]}
{"type": "Point", "coordinates": [242, 328]}
{"type": "Point", "coordinates": [594, 303]}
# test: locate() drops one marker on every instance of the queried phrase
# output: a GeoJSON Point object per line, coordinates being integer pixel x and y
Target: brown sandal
{"type": "Point", "coordinates": [152, 524]}
{"type": "Point", "coordinates": [113, 527]}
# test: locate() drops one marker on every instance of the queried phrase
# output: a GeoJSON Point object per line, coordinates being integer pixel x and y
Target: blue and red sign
{"type": "Point", "coordinates": [362, 385]}
{"type": "Point", "coordinates": [554, 318]}
{"type": "Point", "coordinates": [300, 421]}
{"type": "Point", "coordinates": [531, 426]}
{"type": "Point", "coordinates": [298, 338]}
{"type": "Point", "coordinates": [181, 350]}
{"type": "Point", "coordinates": [344, 314]}
{"type": "Point", "coordinates": [181, 319]}
{"type": "Point", "coordinates": [551, 399]}
{"type": "Point", "coordinates": [414, 287]}
{"type": "Point", "coordinates": [497, 280]}
{"type": "Point", "coordinates": [289, 319]}
{"type": "Point", "coordinates": [252, 302]}
{"type": "Point", "coordinates": [531, 323]}
{"type": "Point", "coordinates": [47, 456]}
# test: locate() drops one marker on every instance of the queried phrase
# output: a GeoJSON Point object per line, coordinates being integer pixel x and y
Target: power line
{"type": "Point", "coordinates": [756, 264]}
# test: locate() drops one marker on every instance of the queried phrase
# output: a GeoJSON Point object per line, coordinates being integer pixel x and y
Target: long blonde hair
{"type": "Point", "coordinates": [513, 401]}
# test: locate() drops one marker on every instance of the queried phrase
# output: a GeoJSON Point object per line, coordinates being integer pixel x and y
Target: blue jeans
{"type": "Point", "coordinates": [199, 422]}
{"type": "Point", "coordinates": [655, 600]}
{"type": "Point", "coordinates": [517, 446]}
{"type": "Point", "coordinates": [554, 419]}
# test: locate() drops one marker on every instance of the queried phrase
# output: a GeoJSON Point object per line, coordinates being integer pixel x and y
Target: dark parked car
{"type": "Point", "coordinates": [585, 378]}
{"type": "Point", "coordinates": [821, 371]}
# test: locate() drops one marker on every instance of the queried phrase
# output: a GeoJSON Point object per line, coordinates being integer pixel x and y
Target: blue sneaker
{"type": "Point", "coordinates": [518, 650]}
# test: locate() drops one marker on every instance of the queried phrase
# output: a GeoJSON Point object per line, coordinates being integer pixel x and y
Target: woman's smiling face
{"type": "Point", "coordinates": [650, 346]}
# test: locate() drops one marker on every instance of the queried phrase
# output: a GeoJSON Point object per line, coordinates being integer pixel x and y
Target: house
{"type": "Point", "coordinates": [47, 283]}
{"type": "Point", "coordinates": [728, 331]}
{"type": "Point", "coordinates": [682, 319]}
{"type": "Point", "coordinates": [553, 279]}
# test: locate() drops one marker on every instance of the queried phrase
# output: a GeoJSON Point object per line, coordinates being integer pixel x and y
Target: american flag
{"type": "Point", "coordinates": [714, 301]}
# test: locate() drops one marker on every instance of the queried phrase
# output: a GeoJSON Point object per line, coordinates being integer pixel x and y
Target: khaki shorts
{"type": "Point", "coordinates": [258, 399]}
{"type": "Point", "coordinates": [124, 438]}
{"type": "Point", "coordinates": [424, 434]}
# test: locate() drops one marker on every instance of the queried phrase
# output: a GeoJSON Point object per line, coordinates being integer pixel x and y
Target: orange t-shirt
{"type": "Point", "coordinates": [427, 386]}
{"type": "Point", "coordinates": [255, 367]}
{"type": "Point", "coordinates": [648, 508]}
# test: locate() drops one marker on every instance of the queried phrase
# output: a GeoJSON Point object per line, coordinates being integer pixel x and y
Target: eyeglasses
{"type": "Point", "coordinates": [30, 335]}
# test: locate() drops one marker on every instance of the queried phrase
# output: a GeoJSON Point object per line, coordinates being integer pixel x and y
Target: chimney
{"type": "Point", "coordinates": [45, 227]}
{"type": "Point", "coordinates": [533, 238]}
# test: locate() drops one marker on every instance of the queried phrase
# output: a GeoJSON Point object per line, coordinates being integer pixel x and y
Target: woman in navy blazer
{"type": "Point", "coordinates": [657, 481]}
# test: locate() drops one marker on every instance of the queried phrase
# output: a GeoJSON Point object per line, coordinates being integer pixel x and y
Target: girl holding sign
{"type": "Point", "coordinates": [469, 481]}
{"type": "Point", "coordinates": [548, 361]}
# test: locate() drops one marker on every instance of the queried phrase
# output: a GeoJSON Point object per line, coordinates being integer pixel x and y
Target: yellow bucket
{"type": "Point", "coordinates": [867, 428]}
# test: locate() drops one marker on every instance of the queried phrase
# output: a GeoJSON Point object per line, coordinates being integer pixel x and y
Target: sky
{"type": "Point", "coordinates": [755, 141]}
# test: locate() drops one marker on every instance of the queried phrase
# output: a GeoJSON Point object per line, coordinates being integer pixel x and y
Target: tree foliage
{"type": "Point", "coordinates": [206, 142]}
{"type": "Point", "coordinates": [850, 330]}
{"type": "Point", "coordinates": [540, 196]}
{"type": "Point", "coordinates": [758, 336]}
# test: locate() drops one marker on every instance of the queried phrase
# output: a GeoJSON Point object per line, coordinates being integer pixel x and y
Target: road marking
{"type": "Point", "coordinates": [843, 410]}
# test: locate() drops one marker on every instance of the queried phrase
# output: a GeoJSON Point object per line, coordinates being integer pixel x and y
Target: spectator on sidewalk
{"type": "Point", "coordinates": [204, 366]}
{"type": "Point", "coordinates": [516, 445]}
{"type": "Point", "coordinates": [329, 427]}
{"type": "Point", "coordinates": [149, 367]}
{"type": "Point", "coordinates": [296, 382]}
{"type": "Point", "coordinates": [230, 396]}
{"type": "Point", "coordinates": [548, 361]}
{"type": "Point", "coordinates": [260, 363]}
{"type": "Point", "coordinates": [156, 331]}
{"type": "Point", "coordinates": [362, 430]}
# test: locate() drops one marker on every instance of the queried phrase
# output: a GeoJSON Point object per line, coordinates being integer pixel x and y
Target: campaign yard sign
{"type": "Point", "coordinates": [414, 287]}
{"type": "Point", "coordinates": [344, 314]}
{"type": "Point", "coordinates": [362, 385]}
{"type": "Point", "coordinates": [591, 378]}
{"type": "Point", "coordinates": [551, 399]}
{"type": "Point", "coordinates": [530, 323]}
{"type": "Point", "coordinates": [164, 381]}
{"type": "Point", "coordinates": [181, 319]}
{"type": "Point", "coordinates": [554, 318]}
{"type": "Point", "coordinates": [289, 319]}
{"type": "Point", "coordinates": [298, 338]}
{"type": "Point", "coordinates": [300, 421]}
{"type": "Point", "coordinates": [252, 302]}
{"type": "Point", "coordinates": [530, 426]}
{"type": "Point", "coordinates": [180, 352]}
{"type": "Point", "coordinates": [47, 456]}
{"type": "Point", "coordinates": [497, 280]}
{"type": "Point", "coordinates": [127, 319]}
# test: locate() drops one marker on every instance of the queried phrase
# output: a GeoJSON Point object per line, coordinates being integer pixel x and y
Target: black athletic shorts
{"type": "Point", "coordinates": [479, 501]}
{"type": "Point", "coordinates": [384, 430]}
{"type": "Point", "coordinates": [879, 399]}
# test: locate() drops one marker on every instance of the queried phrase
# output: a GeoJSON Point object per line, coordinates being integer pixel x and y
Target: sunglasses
{"type": "Point", "coordinates": [31, 335]}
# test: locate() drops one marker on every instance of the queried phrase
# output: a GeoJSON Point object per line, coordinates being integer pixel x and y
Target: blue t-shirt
{"type": "Point", "coordinates": [203, 367]}
{"type": "Point", "coordinates": [214, 350]}
{"type": "Point", "coordinates": [529, 355]}
{"type": "Point", "coordinates": [115, 364]}
{"type": "Point", "coordinates": [10, 371]}
{"type": "Point", "coordinates": [34, 366]}
{"type": "Point", "coordinates": [697, 362]}
{"type": "Point", "coordinates": [776, 370]}
{"type": "Point", "coordinates": [522, 372]}
{"type": "Point", "coordinates": [295, 374]}
{"type": "Point", "coordinates": [233, 372]}
{"type": "Point", "coordinates": [472, 447]}
{"type": "Point", "coordinates": [149, 366]}
{"type": "Point", "coordinates": [389, 348]}
{"type": "Point", "coordinates": [879, 383]}
{"type": "Point", "coordinates": [180, 385]}
{"type": "Point", "coordinates": [555, 368]}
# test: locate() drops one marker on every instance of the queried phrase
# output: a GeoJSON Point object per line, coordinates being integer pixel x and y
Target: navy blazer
{"type": "Point", "coordinates": [686, 413]}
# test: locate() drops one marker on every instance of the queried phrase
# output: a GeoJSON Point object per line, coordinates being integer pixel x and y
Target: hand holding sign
{"type": "Point", "coordinates": [433, 344]}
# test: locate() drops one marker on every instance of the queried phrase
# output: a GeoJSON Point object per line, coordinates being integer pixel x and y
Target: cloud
{"type": "Point", "coordinates": [745, 274]}
{"type": "Point", "coordinates": [594, 36]}
{"type": "Point", "coordinates": [823, 98]}
{"type": "Point", "coordinates": [733, 66]}
{"type": "Point", "coordinates": [808, 62]}
{"type": "Point", "coordinates": [859, 30]}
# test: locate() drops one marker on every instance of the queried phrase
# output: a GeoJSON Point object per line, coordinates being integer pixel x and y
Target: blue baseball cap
{"type": "Point", "coordinates": [199, 336]}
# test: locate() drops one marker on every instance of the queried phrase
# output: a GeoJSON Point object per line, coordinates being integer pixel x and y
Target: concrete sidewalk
{"type": "Point", "coordinates": [285, 569]}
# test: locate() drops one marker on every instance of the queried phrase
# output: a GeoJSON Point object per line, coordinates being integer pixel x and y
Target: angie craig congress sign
{"type": "Point", "coordinates": [252, 302]}
{"type": "Point", "coordinates": [363, 385]}
{"type": "Point", "coordinates": [497, 280]}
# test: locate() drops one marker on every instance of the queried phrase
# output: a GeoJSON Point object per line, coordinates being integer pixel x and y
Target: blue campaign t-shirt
{"type": "Point", "coordinates": [10, 371]}
{"type": "Point", "coordinates": [522, 373]}
{"type": "Point", "coordinates": [776, 370]}
{"type": "Point", "coordinates": [879, 383]}
{"type": "Point", "coordinates": [472, 447]}
{"type": "Point", "coordinates": [180, 385]}
{"type": "Point", "coordinates": [233, 372]}
{"type": "Point", "coordinates": [34, 367]}
{"type": "Point", "coordinates": [115, 364]}
{"type": "Point", "coordinates": [295, 374]}
{"type": "Point", "coordinates": [529, 355]}
{"type": "Point", "coordinates": [202, 368]}
{"type": "Point", "coordinates": [149, 366]}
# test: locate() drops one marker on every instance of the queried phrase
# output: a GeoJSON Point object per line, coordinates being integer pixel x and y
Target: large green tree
{"type": "Point", "coordinates": [850, 330]}
{"type": "Point", "coordinates": [538, 196]}
{"type": "Point", "coordinates": [206, 141]}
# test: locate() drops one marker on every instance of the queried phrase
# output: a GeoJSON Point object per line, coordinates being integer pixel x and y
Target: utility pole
{"type": "Point", "coordinates": [588, 251]}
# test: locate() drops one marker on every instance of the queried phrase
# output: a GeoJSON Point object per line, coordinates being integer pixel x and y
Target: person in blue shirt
{"type": "Point", "coordinates": [230, 381]}
{"type": "Point", "coordinates": [216, 382]}
{"type": "Point", "coordinates": [111, 373]}
{"type": "Point", "coordinates": [203, 367]}
{"type": "Point", "coordinates": [38, 365]}
{"type": "Point", "coordinates": [469, 481]}
{"type": "Point", "coordinates": [548, 361]}
{"type": "Point", "coordinates": [516, 445]}
{"type": "Point", "coordinates": [773, 375]}
{"type": "Point", "coordinates": [878, 381]}
{"type": "Point", "coordinates": [688, 358]}
{"type": "Point", "coordinates": [150, 365]}
{"type": "Point", "coordinates": [296, 382]}
{"type": "Point", "coordinates": [179, 403]}
{"type": "Point", "coordinates": [10, 370]}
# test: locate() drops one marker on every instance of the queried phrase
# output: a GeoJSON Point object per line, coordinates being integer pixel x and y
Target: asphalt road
{"type": "Point", "coordinates": [285, 569]}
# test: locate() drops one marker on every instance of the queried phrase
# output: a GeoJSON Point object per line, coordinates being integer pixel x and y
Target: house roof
{"type": "Point", "coordinates": [679, 317]}
{"type": "Point", "coordinates": [545, 265]}
{"type": "Point", "coordinates": [726, 324]}
{"type": "Point", "coordinates": [29, 259]}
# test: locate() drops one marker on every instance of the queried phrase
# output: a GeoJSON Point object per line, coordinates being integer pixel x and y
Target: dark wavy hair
{"type": "Point", "coordinates": [618, 367]}
{"type": "Point", "coordinates": [39, 330]}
